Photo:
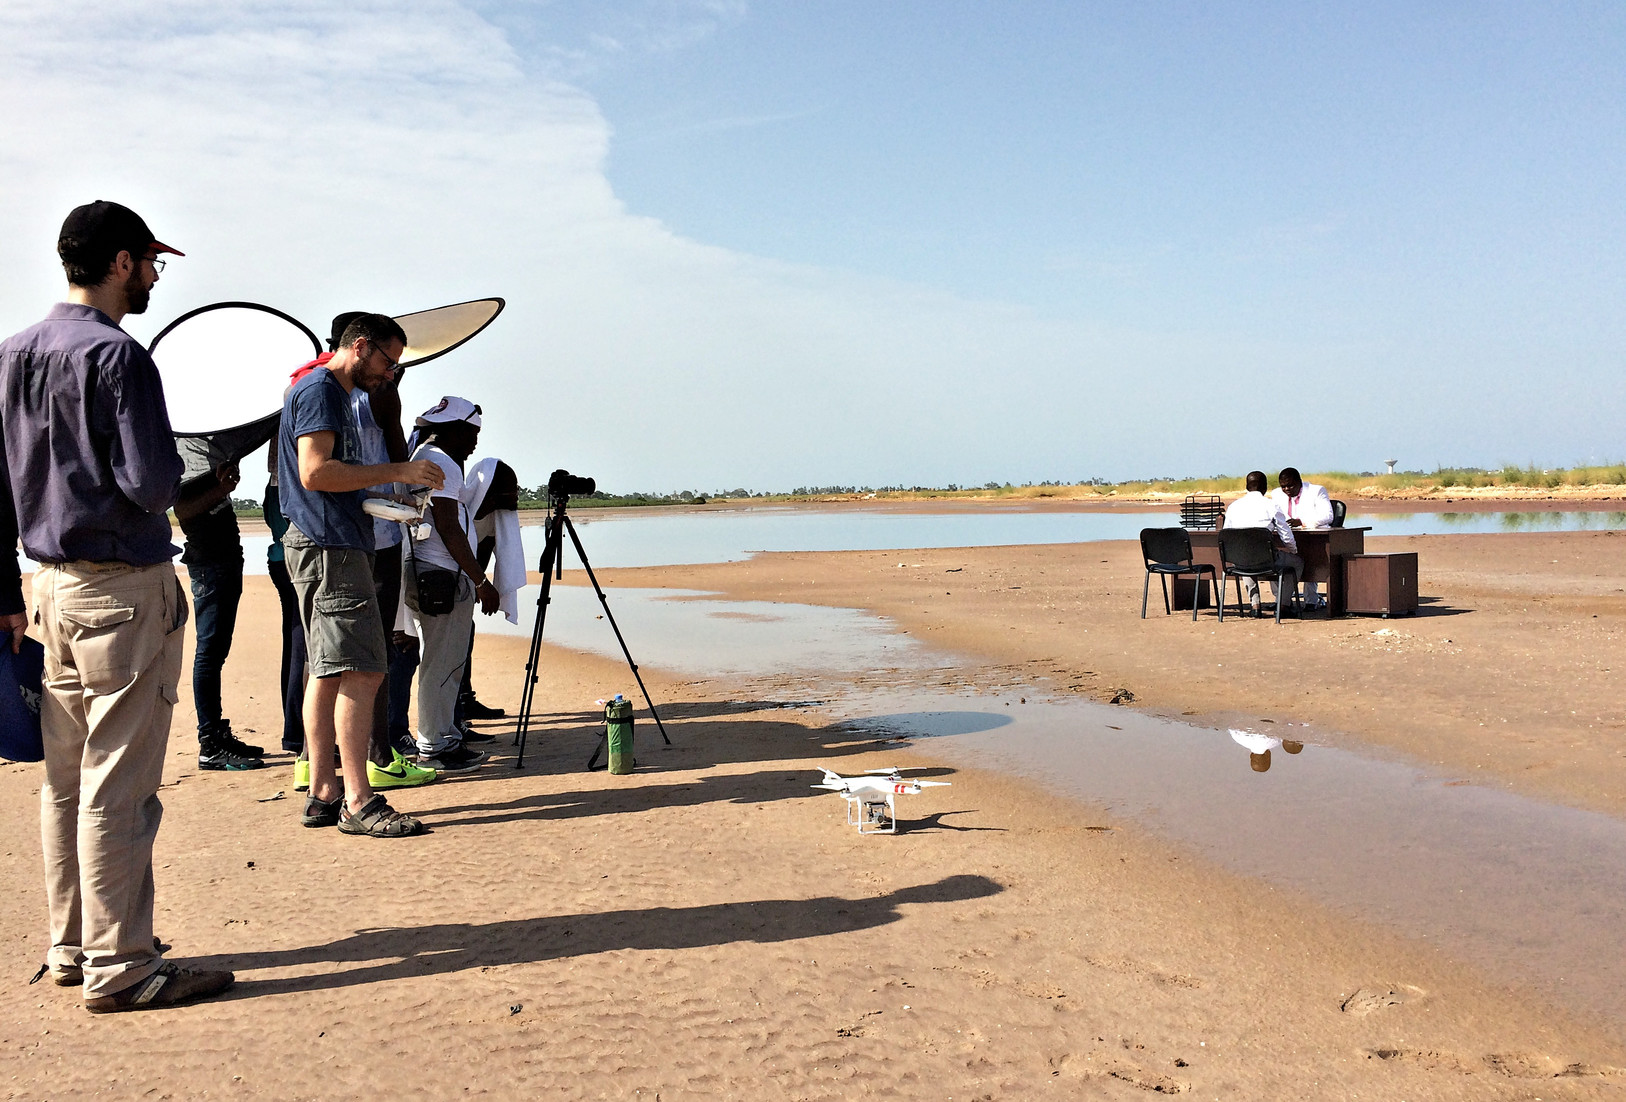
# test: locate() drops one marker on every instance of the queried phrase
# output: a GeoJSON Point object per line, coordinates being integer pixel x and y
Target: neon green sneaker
{"type": "Point", "coordinates": [400, 774]}
{"type": "Point", "coordinates": [302, 775]}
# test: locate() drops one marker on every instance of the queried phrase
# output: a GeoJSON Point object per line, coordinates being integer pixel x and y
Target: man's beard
{"type": "Point", "coordinates": [136, 293]}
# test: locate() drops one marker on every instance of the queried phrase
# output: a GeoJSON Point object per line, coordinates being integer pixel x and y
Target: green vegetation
{"type": "Point", "coordinates": [538, 499]}
{"type": "Point", "coordinates": [1346, 483]}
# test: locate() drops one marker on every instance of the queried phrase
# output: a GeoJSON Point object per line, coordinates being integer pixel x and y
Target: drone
{"type": "Point", "coordinates": [872, 797]}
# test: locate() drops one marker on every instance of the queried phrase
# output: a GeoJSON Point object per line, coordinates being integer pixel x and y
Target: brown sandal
{"type": "Point", "coordinates": [379, 820]}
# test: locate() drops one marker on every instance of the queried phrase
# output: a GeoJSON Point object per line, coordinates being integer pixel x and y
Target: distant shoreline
{"type": "Point", "coordinates": [1492, 500]}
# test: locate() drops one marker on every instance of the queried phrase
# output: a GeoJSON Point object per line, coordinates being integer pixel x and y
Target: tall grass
{"type": "Point", "coordinates": [1510, 476]}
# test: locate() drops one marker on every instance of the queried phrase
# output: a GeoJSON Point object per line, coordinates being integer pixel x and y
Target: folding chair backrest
{"type": "Point", "coordinates": [1246, 549]}
{"type": "Point", "coordinates": [1339, 511]}
{"type": "Point", "coordinates": [1165, 545]}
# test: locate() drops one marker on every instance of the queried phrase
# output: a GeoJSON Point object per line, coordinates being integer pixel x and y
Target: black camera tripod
{"type": "Point", "coordinates": [558, 524]}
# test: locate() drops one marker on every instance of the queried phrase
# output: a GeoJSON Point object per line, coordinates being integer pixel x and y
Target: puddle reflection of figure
{"type": "Point", "coordinates": [1259, 747]}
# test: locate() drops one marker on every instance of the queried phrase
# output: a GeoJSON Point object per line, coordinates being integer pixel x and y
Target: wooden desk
{"type": "Point", "coordinates": [1322, 550]}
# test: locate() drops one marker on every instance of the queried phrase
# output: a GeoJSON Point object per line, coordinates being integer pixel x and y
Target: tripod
{"type": "Point", "coordinates": [553, 561]}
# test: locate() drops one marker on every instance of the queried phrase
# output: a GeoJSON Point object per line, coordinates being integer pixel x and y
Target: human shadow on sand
{"type": "Point", "coordinates": [379, 955]}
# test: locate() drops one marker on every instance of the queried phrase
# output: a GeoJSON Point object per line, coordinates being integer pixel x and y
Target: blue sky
{"type": "Point", "coordinates": [769, 245]}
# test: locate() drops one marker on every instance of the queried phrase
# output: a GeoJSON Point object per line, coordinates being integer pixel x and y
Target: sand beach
{"type": "Point", "coordinates": [709, 927]}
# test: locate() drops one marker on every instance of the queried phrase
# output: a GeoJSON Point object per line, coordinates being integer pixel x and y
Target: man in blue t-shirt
{"type": "Point", "coordinates": [328, 550]}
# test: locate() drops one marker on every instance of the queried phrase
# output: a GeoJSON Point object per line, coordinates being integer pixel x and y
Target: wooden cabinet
{"type": "Point", "coordinates": [1382, 584]}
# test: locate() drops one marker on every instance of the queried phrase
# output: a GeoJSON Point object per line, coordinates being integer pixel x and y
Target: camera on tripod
{"type": "Point", "coordinates": [562, 484]}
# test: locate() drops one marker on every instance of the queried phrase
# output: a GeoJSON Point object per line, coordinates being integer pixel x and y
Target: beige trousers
{"type": "Point", "coordinates": [112, 635]}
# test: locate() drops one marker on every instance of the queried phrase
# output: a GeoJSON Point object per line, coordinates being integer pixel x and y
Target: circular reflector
{"type": "Point", "coordinates": [228, 363]}
{"type": "Point", "coordinates": [432, 333]}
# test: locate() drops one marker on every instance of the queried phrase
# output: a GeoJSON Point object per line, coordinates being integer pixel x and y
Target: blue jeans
{"type": "Point", "coordinates": [403, 665]}
{"type": "Point", "coordinates": [217, 588]}
{"type": "Point", "coordinates": [293, 660]}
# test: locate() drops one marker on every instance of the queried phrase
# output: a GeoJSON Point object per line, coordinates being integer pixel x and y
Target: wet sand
{"type": "Point", "coordinates": [709, 927]}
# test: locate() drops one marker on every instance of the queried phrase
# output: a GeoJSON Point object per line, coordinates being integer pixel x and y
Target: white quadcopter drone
{"type": "Point", "coordinates": [872, 797]}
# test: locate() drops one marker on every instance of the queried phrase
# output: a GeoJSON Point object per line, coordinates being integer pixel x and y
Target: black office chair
{"type": "Point", "coordinates": [1339, 510]}
{"type": "Point", "coordinates": [1250, 553]}
{"type": "Point", "coordinates": [1168, 551]}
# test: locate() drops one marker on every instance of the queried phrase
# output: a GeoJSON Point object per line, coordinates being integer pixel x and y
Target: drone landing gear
{"type": "Point", "coordinates": [873, 816]}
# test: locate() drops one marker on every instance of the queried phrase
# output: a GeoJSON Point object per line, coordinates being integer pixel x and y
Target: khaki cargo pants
{"type": "Point", "coordinates": [112, 634]}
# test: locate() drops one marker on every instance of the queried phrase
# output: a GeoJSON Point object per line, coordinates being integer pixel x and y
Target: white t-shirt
{"type": "Point", "coordinates": [431, 550]}
{"type": "Point", "coordinates": [1254, 510]}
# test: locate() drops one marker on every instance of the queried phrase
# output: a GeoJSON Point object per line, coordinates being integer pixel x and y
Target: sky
{"type": "Point", "coordinates": [769, 245]}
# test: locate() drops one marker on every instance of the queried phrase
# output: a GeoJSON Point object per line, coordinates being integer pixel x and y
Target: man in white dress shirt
{"type": "Point", "coordinates": [1305, 505]}
{"type": "Point", "coordinates": [1254, 510]}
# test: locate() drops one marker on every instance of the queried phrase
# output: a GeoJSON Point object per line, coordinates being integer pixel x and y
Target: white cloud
{"type": "Point", "coordinates": [398, 154]}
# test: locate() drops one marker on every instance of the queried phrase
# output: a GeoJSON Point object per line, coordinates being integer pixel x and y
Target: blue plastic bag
{"type": "Point", "coordinates": [20, 676]}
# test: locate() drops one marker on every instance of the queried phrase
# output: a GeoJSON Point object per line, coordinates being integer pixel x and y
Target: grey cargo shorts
{"type": "Point", "coordinates": [338, 607]}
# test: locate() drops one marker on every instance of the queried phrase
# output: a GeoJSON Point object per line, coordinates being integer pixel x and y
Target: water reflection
{"type": "Point", "coordinates": [1527, 890]}
{"type": "Point", "coordinates": [1533, 521]}
{"type": "Point", "coordinates": [695, 633]}
{"type": "Point", "coordinates": [1259, 747]}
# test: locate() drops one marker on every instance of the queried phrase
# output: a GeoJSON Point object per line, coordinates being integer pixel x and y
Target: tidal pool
{"type": "Point", "coordinates": [1528, 891]}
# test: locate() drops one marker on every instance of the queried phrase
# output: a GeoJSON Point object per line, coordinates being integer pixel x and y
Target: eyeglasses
{"type": "Point", "coordinates": [393, 364]}
{"type": "Point", "coordinates": [156, 262]}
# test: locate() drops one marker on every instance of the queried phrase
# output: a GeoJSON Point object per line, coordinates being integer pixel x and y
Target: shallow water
{"type": "Point", "coordinates": [693, 633]}
{"type": "Point", "coordinates": [663, 539]}
{"type": "Point", "coordinates": [657, 537]}
{"type": "Point", "coordinates": [1529, 891]}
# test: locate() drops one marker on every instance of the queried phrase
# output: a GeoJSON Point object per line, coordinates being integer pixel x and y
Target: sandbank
{"type": "Point", "coordinates": [709, 927]}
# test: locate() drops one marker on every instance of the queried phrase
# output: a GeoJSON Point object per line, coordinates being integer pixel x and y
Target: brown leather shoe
{"type": "Point", "coordinates": [171, 985]}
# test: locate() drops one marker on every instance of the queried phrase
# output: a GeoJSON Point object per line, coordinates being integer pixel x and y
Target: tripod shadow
{"type": "Point", "coordinates": [750, 788]}
{"type": "Point", "coordinates": [704, 735]}
{"type": "Point", "coordinates": [379, 955]}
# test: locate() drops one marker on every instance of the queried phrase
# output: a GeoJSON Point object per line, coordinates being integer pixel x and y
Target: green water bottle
{"type": "Point", "coordinates": [618, 733]}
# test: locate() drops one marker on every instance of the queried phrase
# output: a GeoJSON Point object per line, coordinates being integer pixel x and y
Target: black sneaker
{"type": "Point", "coordinates": [225, 739]}
{"type": "Point", "coordinates": [216, 755]}
{"type": "Point", "coordinates": [459, 759]}
{"type": "Point", "coordinates": [471, 735]}
{"type": "Point", "coordinates": [473, 709]}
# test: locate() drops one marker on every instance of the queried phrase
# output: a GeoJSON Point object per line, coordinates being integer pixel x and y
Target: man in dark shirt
{"type": "Point", "coordinates": [90, 470]}
{"type": "Point", "coordinates": [214, 561]}
{"type": "Point", "coordinates": [328, 548]}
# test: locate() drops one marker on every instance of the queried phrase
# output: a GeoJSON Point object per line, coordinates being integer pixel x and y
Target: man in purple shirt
{"type": "Point", "coordinates": [88, 471]}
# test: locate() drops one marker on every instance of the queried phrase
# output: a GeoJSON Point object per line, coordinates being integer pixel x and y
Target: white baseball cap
{"type": "Point", "coordinates": [451, 408]}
